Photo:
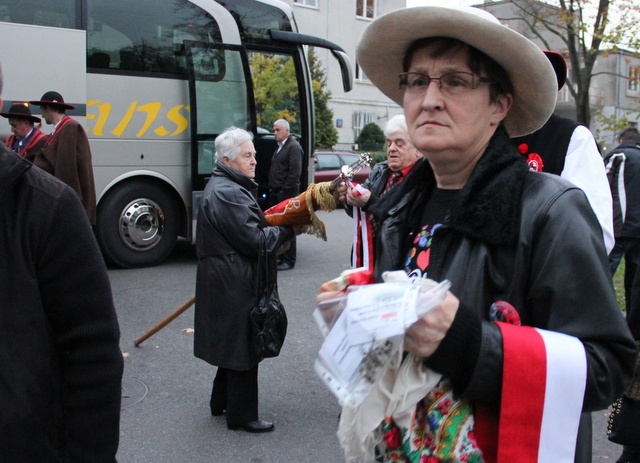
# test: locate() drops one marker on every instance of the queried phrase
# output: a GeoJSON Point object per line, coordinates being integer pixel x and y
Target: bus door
{"type": "Point", "coordinates": [220, 96]}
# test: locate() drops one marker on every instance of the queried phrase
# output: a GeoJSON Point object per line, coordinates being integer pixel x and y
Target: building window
{"type": "Point", "coordinates": [312, 3]}
{"type": "Point", "coordinates": [633, 85]}
{"type": "Point", "coordinates": [360, 75]}
{"type": "Point", "coordinates": [359, 120]}
{"type": "Point", "coordinates": [365, 8]}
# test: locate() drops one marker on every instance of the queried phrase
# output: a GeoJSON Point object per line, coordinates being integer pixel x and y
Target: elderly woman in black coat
{"type": "Point", "coordinates": [230, 228]}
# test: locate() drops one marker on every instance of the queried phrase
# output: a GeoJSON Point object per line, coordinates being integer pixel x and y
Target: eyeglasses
{"type": "Point", "coordinates": [452, 83]}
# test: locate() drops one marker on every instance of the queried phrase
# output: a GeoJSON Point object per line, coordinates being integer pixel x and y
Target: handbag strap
{"type": "Point", "coordinates": [262, 274]}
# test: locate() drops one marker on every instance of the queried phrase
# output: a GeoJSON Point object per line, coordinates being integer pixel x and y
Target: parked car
{"type": "Point", "coordinates": [328, 164]}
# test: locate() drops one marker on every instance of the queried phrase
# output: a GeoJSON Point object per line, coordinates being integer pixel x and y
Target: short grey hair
{"type": "Point", "coordinates": [395, 124]}
{"type": "Point", "coordinates": [229, 141]}
{"type": "Point", "coordinates": [282, 123]}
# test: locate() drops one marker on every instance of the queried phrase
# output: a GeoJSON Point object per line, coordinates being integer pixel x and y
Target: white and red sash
{"type": "Point", "coordinates": [362, 252]}
{"type": "Point", "coordinates": [543, 386]}
{"type": "Point", "coordinates": [64, 121]}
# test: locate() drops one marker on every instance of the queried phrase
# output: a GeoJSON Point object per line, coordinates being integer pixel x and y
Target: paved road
{"type": "Point", "coordinates": [166, 389]}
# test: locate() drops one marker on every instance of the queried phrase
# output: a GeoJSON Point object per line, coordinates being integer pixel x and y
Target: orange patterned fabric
{"type": "Point", "coordinates": [301, 210]}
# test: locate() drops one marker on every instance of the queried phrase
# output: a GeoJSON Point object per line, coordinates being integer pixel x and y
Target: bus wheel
{"type": "Point", "coordinates": [137, 224]}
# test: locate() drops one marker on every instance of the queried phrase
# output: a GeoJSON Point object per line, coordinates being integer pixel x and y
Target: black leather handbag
{"type": "Point", "coordinates": [268, 317]}
{"type": "Point", "coordinates": [624, 422]}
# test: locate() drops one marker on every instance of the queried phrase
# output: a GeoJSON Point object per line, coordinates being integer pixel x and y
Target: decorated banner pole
{"type": "Point", "coordinates": [166, 321]}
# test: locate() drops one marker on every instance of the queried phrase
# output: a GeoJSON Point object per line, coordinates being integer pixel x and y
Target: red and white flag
{"type": "Point", "coordinates": [362, 252]}
{"type": "Point", "coordinates": [543, 386]}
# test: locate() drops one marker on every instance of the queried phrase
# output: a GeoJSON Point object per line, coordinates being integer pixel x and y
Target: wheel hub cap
{"type": "Point", "coordinates": [141, 224]}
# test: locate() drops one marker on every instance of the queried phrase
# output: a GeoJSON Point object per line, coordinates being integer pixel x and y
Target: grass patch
{"type": "Point", "coordinates": [618, 284]}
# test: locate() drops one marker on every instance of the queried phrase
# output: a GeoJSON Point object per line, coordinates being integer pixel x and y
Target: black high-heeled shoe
{"type": "Point", "coordinates": [253, 426]}
{"type": "Point", "coordinates": [217, 411]}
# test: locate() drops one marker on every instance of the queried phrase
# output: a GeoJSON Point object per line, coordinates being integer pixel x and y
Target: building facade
{"type": "Point", "coordinates": [615, 89]}
{"type": "Point", "coordinates": [342, 22]}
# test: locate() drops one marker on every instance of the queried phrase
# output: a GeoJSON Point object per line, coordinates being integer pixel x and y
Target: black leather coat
{"type": "Point", "coordinates": [230, 225]}
{"type": "Point", "coordinates": [527, 238]}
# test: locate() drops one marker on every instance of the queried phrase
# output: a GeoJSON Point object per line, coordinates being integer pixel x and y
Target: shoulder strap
{"type": "Point", "coordinates": [262, 273]}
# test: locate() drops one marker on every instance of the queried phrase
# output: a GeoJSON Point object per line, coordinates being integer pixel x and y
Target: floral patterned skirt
{"type": "Point", "coordinates": [440, 430]}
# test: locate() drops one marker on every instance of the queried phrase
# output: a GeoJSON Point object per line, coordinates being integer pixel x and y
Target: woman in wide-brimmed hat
{"type": "Point", "coordinates": [530, 335]}
{"type": "Point", "coordinates": [26, 139]}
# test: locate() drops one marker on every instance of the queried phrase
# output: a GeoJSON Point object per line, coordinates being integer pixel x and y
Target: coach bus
{"type": "Point", "coordinates": [154, 82]}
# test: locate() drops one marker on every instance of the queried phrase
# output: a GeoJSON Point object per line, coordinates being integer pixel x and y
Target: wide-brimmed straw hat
{"type": "Point", "coordinates": [384, 43]}
{"type": "Point", "coordinates": [20, 111]}
{"type": "Point", "coordinates": [52, 98]}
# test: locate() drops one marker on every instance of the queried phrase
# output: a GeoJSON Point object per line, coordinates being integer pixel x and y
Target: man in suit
{"type": "Point", "coordinates": [284, 179]}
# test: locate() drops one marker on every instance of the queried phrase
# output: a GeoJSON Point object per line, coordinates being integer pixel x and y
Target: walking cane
{"type": "Point", "coordinates": [165, 322]}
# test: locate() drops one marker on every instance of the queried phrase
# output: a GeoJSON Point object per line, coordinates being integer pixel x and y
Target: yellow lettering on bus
{"type": "Point", "coordinates": [101, 113]}
{"type": "Point", "coordinates": [178, 119]}
{"type": "Point", "coordinates": [104, 110]}
{"type": "Point", "coordinates": [122, 126]}
{"type": "Point", "coordinates": [152, 110]}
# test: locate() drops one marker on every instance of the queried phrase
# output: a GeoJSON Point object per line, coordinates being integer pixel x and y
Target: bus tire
{"type": "Point", "coordinates": [137, 224]}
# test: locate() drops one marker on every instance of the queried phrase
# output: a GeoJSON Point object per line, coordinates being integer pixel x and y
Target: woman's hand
{"type": "Point", "coordinates": [326, 295]}
{"type": "Point", "coordinates": [424, 336]}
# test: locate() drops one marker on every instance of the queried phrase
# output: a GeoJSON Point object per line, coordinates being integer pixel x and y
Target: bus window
{"type": "Point", "coordinates": [148, 38]}
{"type": "Point", "coordinates": [275, 88]}
{"type": "Point", "coordinates": [222, 99]}
{"type": "Point", "coordinates": [53, 13]}
{"type": "Point", "coordinates": [277, 95]}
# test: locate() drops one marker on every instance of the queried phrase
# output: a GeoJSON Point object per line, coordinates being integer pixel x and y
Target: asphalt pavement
{"type": "Point", "coordinates": [165, 414]}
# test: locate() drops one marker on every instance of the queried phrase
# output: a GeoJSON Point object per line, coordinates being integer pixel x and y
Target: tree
{"type": "Point", "coordinates": [588, 29]}
{"type": "Point", "coordinates": [276, 94]}
{"type": "Point", "coordinates": [326, 133]}
{"type": "Point", "coordinates": [614, 123]}
{"type": "Point", "coordinates": [371, 137]}
{"type": "Point", "coordinates": [275, 89]}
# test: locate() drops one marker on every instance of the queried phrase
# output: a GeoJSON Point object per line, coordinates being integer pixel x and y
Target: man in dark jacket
{"type": "Point", "coordinates": [623, 172]}
{"type": "Point", "coordinates": [284, 179]}
{"type": "Point", "coordinates": [402, 157]}
{"type": "Point", "coordinates": [60, 361]}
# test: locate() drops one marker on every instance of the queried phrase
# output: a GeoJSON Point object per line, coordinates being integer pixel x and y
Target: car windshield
{"type": "Point", "coordinates": [349, 159]}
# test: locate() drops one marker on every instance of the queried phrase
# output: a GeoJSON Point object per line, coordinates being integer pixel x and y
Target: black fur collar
{"type": "Point", "coordinates": [487, 208]}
